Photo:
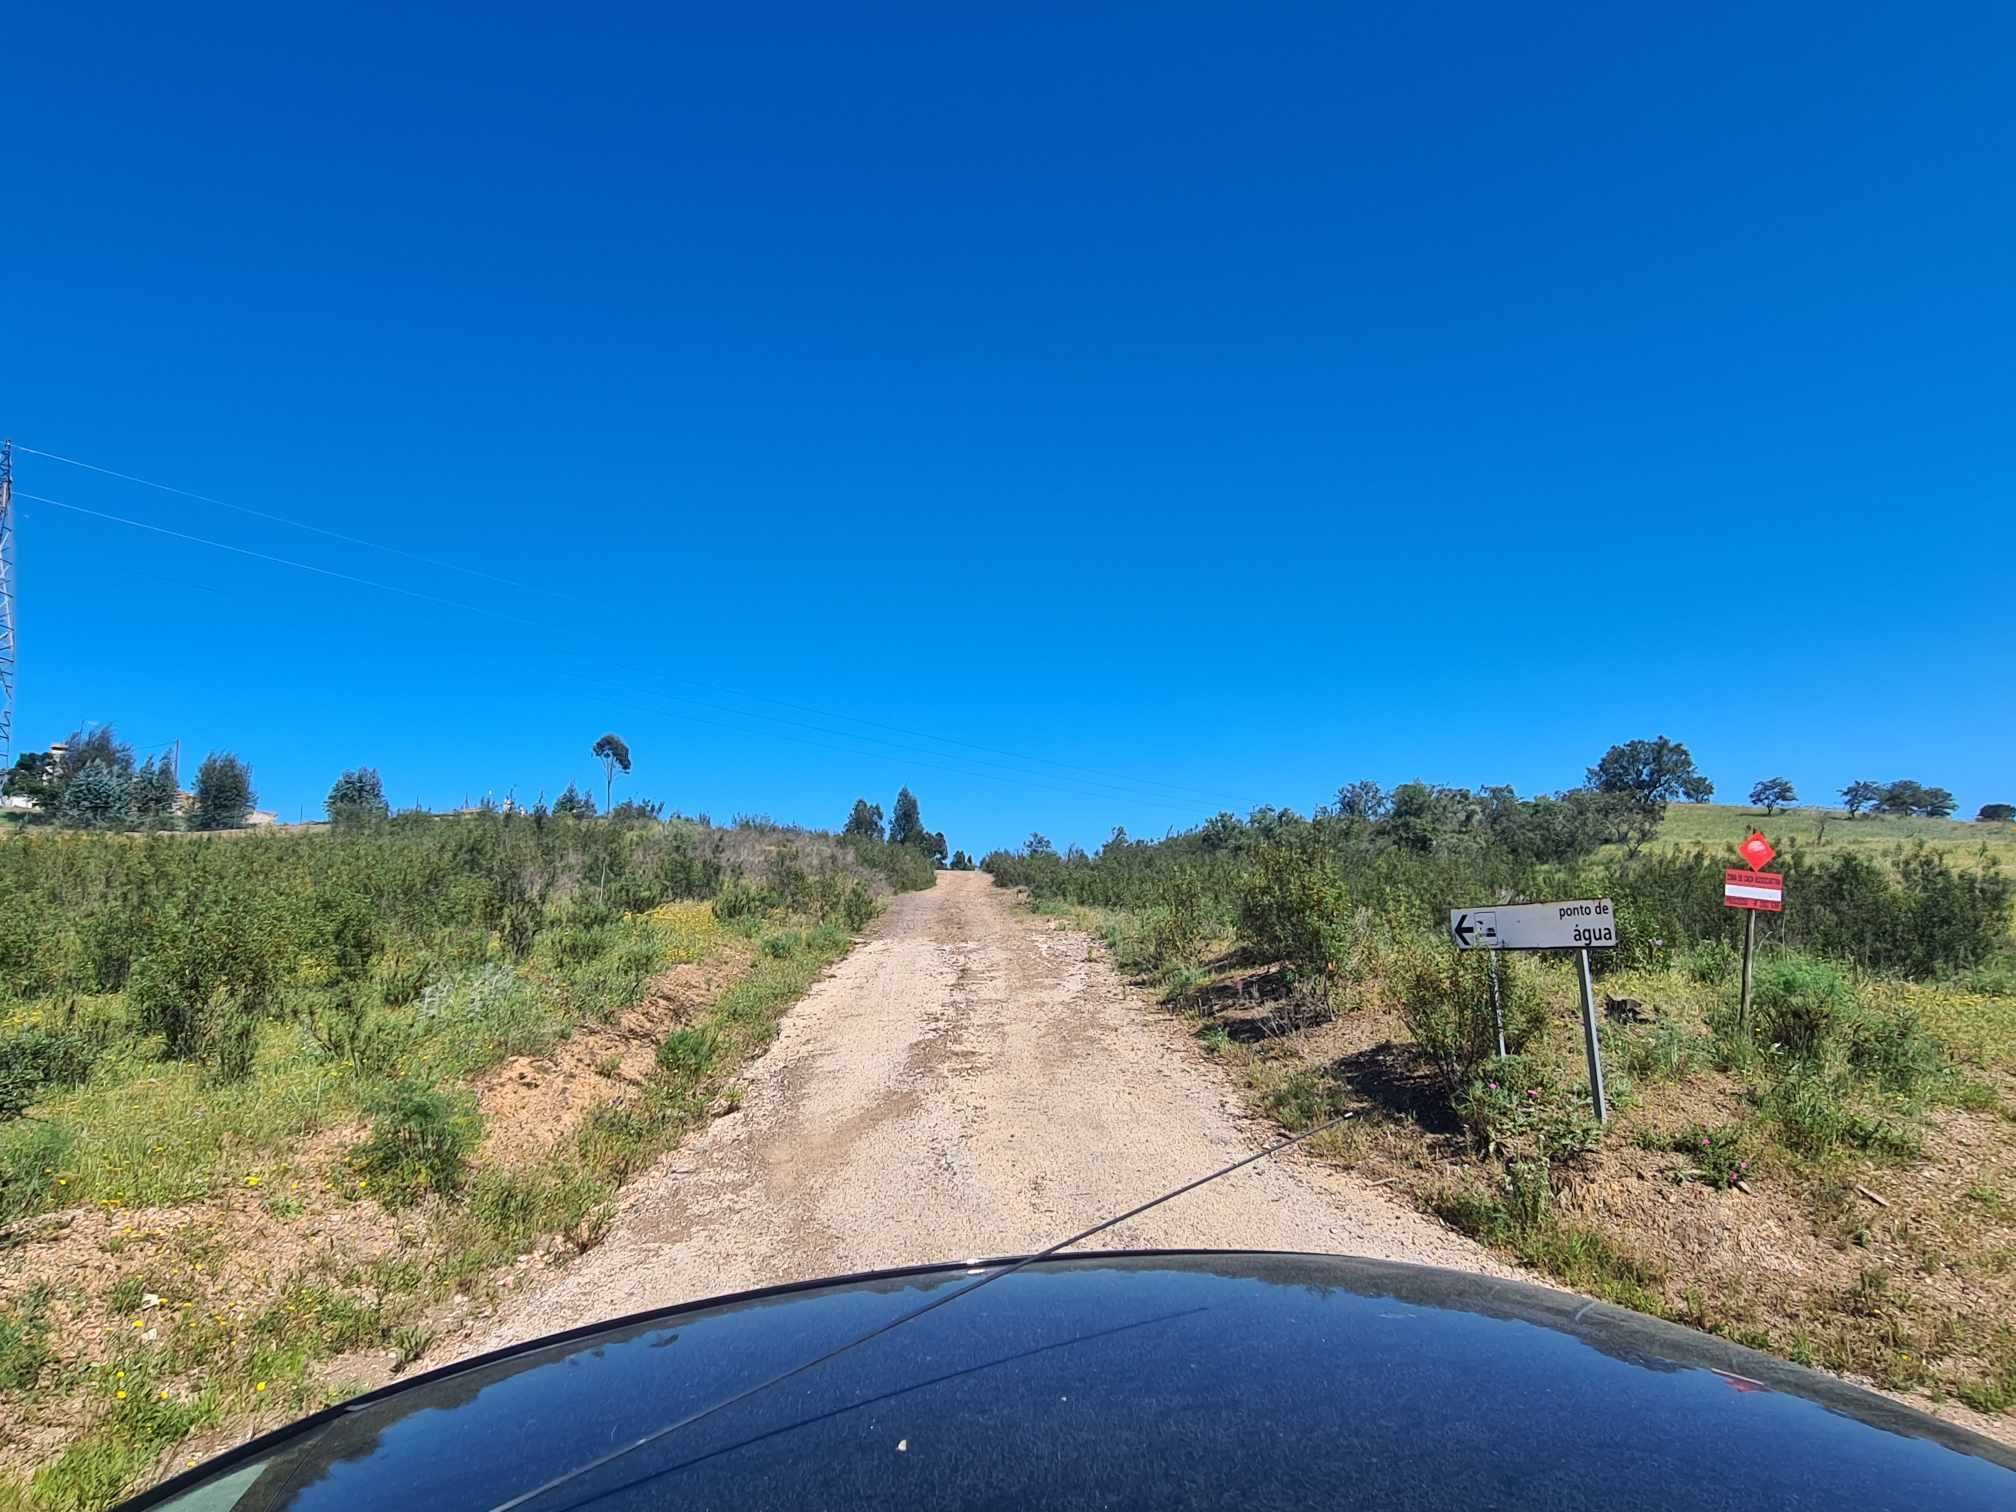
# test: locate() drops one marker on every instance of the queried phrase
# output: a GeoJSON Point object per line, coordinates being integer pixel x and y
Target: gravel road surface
{"type": "Point", "coordinates": [973, 1080]}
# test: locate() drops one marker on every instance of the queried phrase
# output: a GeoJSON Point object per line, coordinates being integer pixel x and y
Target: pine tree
{"type": "Point", "coordinates": [98, 797]}
{"type": "Point", "coordinates": [906, 826]}
{"type": "Point", "coordinates": [224, 795]}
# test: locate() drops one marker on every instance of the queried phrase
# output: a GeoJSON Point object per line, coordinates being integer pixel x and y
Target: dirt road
{"type": "Point", "coordinates": [971, 1081]}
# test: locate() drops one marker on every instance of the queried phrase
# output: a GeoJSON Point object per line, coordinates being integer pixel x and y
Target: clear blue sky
{"type": "Point", "coordinates": [1232, 401]}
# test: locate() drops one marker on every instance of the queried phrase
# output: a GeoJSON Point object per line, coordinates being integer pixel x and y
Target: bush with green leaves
{"type": "Point", "coordinates": [1293, 907]}
{"type": "Point", "coordinates": [210, 972]}
{"type": "Point", "coordinates": [1444, 996]}
{"type": "Point", "coordinates": [1717, 1156]}
{"type": "Point", "coordinates": [688, 1054]}
{"type": "Point", "coordinates": [420, 1142]}
{"type": "Point", "coordinates": [1801, 1004]}
{"type": "Point", "coordinates": [35, 1062]}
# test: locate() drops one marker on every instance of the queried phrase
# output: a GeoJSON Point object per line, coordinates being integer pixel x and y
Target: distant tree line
{"type": "Point", "coordinates": [906, 827]}
{"type": "Point", "coordinates": [92, 782]}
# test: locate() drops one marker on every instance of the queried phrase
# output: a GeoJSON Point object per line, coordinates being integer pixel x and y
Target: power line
{"type": "Point", "coordinates": [182, 535]}
{"type": "Point", "coordinates": [1085, 781]}
{"type": "Point", "coordinates": [278, 519]}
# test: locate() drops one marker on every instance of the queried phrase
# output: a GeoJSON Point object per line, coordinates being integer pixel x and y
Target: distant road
{"type": "Point", "coordinates": [972, 1081]}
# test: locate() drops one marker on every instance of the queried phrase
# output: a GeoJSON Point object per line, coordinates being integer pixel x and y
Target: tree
{"type": "Point", "coordinates": [614, 755]}
{"type": "Point", "coordinates": [1038, 845]}
{"type": "Point", "coordinates": [224, 793]}
{"type": "Point", "coordinates": [961, 861]}
{"type": "Point", "coordinates": [357, 797]}
{"type": "Point", "coordinates": [1772, 794]}
{"type": "Point", "coordinates": [575, 804]}
{"type": "Point", "coordinates": [1362, 800]}
{"type": "Point", "coordinates": [936, 847]}
{"type": "Point", "coordinates": [1222, 831]}
{"type": "Point", "coordinates": [864, 822]}
{"type": "Point", "coordinates": [34, 777]}
{"type": "Point", "coordinates": [1860, 795]}
{"type": "Point", "coordinates": [154, 792]}
{"type": "Point", "coordinates": [906, 825]}
{"type": "Point", "coordinates": [102, 744]}
{"type": "Point", "coordinates": [1937, 803]}
{"type": "Point", "coordinates": [98, 797]}
{"type": "Point", "coordinates": [1996, 813]}
{"type": "Point", "coordinates": [1645, 776]}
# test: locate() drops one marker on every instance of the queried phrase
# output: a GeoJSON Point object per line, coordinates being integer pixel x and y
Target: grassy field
{"type": "Point", "coordinates": [1720, 826]}
{"type": "Point", "coordinates": [399, 1099]}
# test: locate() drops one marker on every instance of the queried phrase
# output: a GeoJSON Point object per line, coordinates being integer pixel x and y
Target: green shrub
{"type": "Point", "coordinates": [1304, 1100]}
{"type": "Point", "coordinates": [1801, 1004]}
{"type": "Point", "coordinates": [1514, 1108]}
{"type": "Point", "coordinates": [1444, 996]}
{"type": "Point", "coordinates": [421, 1140]}
{"type": "Point", "coordinates": [210, 972]}
{"type": "Point", "coordinates": [1662, 1052]}
{"type": "Point", "coordinates": [1717, 1157]}
{"type": "Point", "coordinates": [24, 1340]}
{"type": "Point", "coordinates": [784, 944]}
{"type": "Point", "coordinates": [857, 907]}
{"type": "Point", "coordinates": [35, 1061]}
{"type": "Point", "coordinates": [1293, 907]}
{"type": "Point", "coordinates": [1809, 1105]}
{"type": "Point", "coordinates": [688, 1054]}
{"type": "Point", "coordinates": [32, 1154]}
{"type": "Point", "coordinates": [738, 900]}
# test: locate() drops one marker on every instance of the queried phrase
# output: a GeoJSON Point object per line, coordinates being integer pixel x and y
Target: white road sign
{"type": "Point", "coordinates": [1581, 924]}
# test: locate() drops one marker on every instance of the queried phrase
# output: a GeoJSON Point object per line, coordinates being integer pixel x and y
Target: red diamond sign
{"type": "Point", "coordinates": [1757, 851]}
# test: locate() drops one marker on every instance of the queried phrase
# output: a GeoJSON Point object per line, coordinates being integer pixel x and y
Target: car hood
{"type": "Point", "coordinates": [1122, 1380]}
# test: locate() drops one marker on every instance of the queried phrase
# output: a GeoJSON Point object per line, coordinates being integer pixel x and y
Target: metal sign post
{"type": "Point", "coordinates": [1578, 924]}
{"type": "Point", "coordinates": [1497, 1005]}
{"type": "Point", "coordinates": [1590, 1042]}
{"type": "Point", "coordinates": [1754, 891]}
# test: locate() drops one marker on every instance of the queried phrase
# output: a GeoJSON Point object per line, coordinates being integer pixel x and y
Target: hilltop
{"type": "Point", "coordinates": [1721, 825]}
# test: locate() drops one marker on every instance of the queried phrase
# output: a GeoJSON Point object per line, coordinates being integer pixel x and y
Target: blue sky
{"type": "Point", "coordinates": [1085, 418]}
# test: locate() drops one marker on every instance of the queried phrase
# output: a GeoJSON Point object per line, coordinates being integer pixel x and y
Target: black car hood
{"type": "Point", "coordinates": [1120, 1380]}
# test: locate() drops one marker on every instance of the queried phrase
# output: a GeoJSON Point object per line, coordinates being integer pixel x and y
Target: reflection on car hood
{"type": "Point", "coordinates": [1122, 1380]}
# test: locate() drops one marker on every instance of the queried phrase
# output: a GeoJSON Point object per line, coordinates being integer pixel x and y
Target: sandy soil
{"type": "Point", "coordinates": [974, 1080]}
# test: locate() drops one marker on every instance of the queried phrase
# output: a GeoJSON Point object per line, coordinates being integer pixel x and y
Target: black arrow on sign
{"type": "Point", "coordinates": [1462, 929]}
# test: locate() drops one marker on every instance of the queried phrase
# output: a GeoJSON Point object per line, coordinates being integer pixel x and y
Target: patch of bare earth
{"type": "Point", "coordinates": [532, 1102]}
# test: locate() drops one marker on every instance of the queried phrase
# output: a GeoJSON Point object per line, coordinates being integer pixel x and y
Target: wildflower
{"type": "Point", "coordinates": [251, 1181]}
{"type": "Point", "coordinates": [120, 1395]}
{"type": "Point", "coordinates": [258, 1385]}
{"type": "Point", "coordinates": [1532, 1091]}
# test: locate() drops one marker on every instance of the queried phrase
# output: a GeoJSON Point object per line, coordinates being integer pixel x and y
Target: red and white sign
{"type": "Point", "coordinates": [1753, 889]}
{"type": "Point", "coordinates": [1757, 851]}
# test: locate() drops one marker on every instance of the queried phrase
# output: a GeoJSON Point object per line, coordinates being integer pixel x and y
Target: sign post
{"type": "Point", "coordinates": [1755, 891]}
{"type": "Point", "coordinates": [1580, 925]}
{"type": "Point", "coordinates": [1589, 1038]}
{"type": "Point", "coordinates": [1497, 1006]}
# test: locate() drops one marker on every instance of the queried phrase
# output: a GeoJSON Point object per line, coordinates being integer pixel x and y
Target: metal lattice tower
{"type": "Point", "coordinates": [6, 604]}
